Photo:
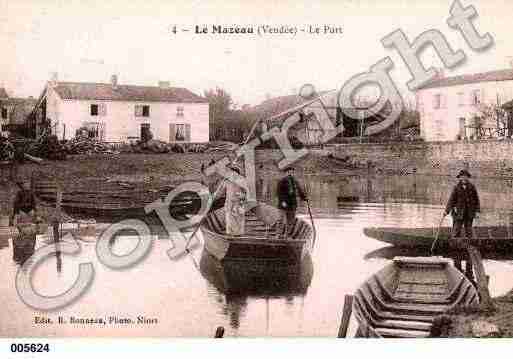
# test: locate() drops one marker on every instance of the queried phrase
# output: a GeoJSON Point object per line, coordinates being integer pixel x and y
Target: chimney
{"type": "Point", "coordinates": [164, 84]}
{"type": "Point", "coordinates": [114, 81]}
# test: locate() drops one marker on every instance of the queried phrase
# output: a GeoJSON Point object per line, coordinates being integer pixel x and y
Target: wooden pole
{"type": "Point", "coordinates": [219, 332]}
{"type": "Point", "coordinates": [57, 218]}
{"type": "Point", "coordinates": [346, 316]}
{"type": "Point", "coordinates": [481, 278]}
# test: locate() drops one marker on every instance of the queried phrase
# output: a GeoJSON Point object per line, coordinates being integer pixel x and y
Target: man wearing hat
{"type": "Point", "coordinates": [464, 206]}
{"type": "Point", "coordinates": [288, 190]}
{"type": "Point", "coordinates": [25, 204]}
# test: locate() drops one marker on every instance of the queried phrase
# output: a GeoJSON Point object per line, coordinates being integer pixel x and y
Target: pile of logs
{"type": "Point", "coordinates": [6, 150]}
{"type": "Point", "coordinates": [84, 145]}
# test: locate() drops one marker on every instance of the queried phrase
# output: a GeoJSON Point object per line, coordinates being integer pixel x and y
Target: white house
{"type": "Point", "coordinates": [451, 107]}
{"type": "Point", "coordinates": [121, 113]}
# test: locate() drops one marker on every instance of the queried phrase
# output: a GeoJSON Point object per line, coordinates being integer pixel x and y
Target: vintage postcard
{"type": "Point", "coordinates": [335, 169]}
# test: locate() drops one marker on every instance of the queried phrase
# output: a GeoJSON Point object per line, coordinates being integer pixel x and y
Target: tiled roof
{"type": "Point", "coordinates": [3, 94]}
{"type": "Point", "coordinates": [499, 75]}
{"type": "Point", "coordinates": [106, 92]}
{"type": "Point", "coordinates": [276, 105]}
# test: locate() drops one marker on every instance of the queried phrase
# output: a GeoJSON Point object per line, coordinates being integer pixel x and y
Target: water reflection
{"type": "Point", "coordinates": [247, 300]}
{"type": "Point", "coordinates": [241, 281]}
{"type": "Point", "coordinates": [23, 248]}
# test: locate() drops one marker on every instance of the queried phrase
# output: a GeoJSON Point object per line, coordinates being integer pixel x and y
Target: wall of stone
{"type": "Point", "coordinates": [492, 158]}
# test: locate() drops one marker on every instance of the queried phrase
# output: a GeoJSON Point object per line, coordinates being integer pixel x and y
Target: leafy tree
{"type": "Point", "coordinates": [220, 104]}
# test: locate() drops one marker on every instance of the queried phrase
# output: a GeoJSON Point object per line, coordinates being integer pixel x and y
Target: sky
{"type": "Point", "coordinates": [91, 40]}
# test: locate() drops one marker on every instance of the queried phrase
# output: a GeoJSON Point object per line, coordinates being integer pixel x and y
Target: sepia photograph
{"type": "Point", "coordinates": [237, 169]}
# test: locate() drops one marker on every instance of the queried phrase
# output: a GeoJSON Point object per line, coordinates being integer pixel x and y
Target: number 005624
{"type": "Point", "coordinates": [30, 348]}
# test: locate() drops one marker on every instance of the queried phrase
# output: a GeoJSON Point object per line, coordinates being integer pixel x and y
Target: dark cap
{"type": "Point", "coordinates": [464, 173]}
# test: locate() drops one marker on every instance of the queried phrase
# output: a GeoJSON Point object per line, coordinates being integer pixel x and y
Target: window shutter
{"type": "Point", "coordinates": [188, 132]}
{"type": "Point", "coordinates": [103, 109]}
{"type": "Point", "coordinates": [172, 132]}
{"type": "Point", "coordinates": [472, 98]}
{"type": "Point", "coordinates": [443, 101]}
{"type": "Point", "coordinates": [102, 131]}
{"type": "Point", "coordinates": [138, 111]}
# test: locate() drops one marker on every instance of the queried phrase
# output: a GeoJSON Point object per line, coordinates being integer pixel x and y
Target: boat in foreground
{"type": "Point", "coordinates": [485, 238]}
{"type": "Point", "coordinates": [403, 299]}
{"type": "Point", "coordinates": [262, 239]}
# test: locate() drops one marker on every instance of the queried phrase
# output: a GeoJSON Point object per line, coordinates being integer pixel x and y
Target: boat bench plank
{"type": "Point", "coordinates": [398, 333]}
{"type": "Point", "coordinates": [421, 299]}
{"type": "Point", "coordinates": [442, 289]}
{"type": "Point", "coordinates": [405, 308]}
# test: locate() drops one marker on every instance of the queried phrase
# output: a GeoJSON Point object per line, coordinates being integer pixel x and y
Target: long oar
{"type": "Point", "coordinates": [313, 225]}
{"type": "Point", "coordinates": [437, 234]}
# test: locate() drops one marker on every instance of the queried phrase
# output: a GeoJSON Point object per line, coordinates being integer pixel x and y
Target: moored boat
{"type": "Point", "coordinates": [498, 238]}
{"type": "Point", "coordinates": [403, 299]}
{"type": "Point", "coordinates": [261, 240]}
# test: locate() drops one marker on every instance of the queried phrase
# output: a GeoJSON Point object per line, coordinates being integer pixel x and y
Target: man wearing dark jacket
{"type": "Point", "coordinates": [25, 202]}
{"type": "Point", "coordinates": [288, 190]}
{"type": "Point", "coordinates": [464, 206]}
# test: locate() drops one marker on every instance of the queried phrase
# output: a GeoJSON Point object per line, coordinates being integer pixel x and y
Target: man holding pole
{"type": "Point", "coordinates": [464, 206]}
{"type": "Point", "coordinates": [288, 190]}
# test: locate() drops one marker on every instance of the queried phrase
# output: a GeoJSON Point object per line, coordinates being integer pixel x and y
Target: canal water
{"type": "Point", "coordinates": [192, 296]}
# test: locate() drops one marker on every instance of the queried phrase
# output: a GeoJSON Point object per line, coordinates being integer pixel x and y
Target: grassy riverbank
{"type": "Point", "coordinates": [502, 317]}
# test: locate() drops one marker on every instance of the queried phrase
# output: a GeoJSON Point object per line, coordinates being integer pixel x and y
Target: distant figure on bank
{"type": "Point", "coordinates": [464, 206]}
{"type": "Point", "coordinates": [288, 190]}
{"type": "Point", "coordinates": [234, 206]}
{"type": "Point", "coordinates": [25, 203]}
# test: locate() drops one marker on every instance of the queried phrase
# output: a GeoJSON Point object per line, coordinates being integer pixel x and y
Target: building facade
{"type": "Point", "coordinates": [112, 112]}
{"type": "Point", "coordinates": [454, 108]}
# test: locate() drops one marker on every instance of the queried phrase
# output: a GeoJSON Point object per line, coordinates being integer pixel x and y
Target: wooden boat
{"type": "Point", "coordinates": [485, 238]}
{"type": "Point", "coordinates": [262, 240]}
{"type": "Point", "coordinates": [115, 201]}
{"type": "Point", "coordinates": [403, 298]}
{"type": "Point", "coordinates": [390, 252]}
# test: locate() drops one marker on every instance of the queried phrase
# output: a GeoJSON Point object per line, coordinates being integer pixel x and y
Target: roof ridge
{"type": "Point", "coordinates": [118, 85]}
{"type": "Point", "coordinates": [469, 78]}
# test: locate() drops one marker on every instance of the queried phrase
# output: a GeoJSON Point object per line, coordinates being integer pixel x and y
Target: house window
{"type": "Point", "coordinates": [476, 97]}
{"type": "Point", "coordinates": [437, 101]}
{"type": "Point", "coordinates": [98, 109]}
{"type": "Point", "coordinates": [142, 111]}
{"type": "Point", "coordinates": [4, 113]}
{"type": "Point", "coordinates": [461, 99]}
{"type": "Point", "coordinates": [180, 132]}
{"type": "Point", "coordinates": [179, 111]}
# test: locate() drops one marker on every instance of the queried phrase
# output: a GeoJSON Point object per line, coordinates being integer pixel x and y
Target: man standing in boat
{"type": "Point", "coordinates": [288, 190]}
{"type": "Point", "coordinates": [464, 206]}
